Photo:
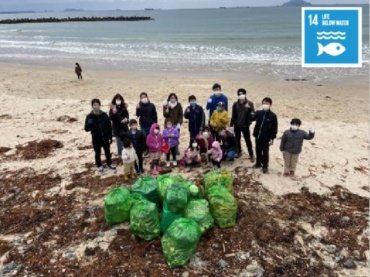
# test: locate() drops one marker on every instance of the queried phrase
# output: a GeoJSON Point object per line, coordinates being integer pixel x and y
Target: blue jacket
{"type": "Point", "coordinates": [196, 119]}
{"type": "Point", "coordinates": [213, 101]}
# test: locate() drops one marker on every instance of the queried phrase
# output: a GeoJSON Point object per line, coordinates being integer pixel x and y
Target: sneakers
{"type": "Point", "coordinates": [292, 173]}
{"type": "Point", "coordinates": [168, 164]}
{"type": "Point", "coordinates": [174, 163]}
{"type": "Point", "coordinates": [257, 166]}
{"type": "Point", "coordinates": [252, 159]}
{"type": "Point", "coordinates": [100, 169]}
{"type": "Point", "coordinates": [265, 170]}
{"type": "Point", "coordinates": [112, 167]}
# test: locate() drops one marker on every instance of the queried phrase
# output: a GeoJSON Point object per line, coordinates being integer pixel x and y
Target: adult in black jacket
{"type": "Point", "coordinates": [97, 122]}
{"type": "Point", "coordinates": [195, 114]}
{"type": "Point", "coordinates": [241, 118]}
{"type": "Point", "coordinates": [119, 116]}
{"type": "Point", "coordinates": [138, 140]}
{"type": "Point", "coordinates": [147, 113]}
{"type": "Point", "coordinates": [265, 132]}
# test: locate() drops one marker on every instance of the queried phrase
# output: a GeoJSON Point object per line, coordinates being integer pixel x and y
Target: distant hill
{"type": "Point", "coordinates": [74, 10]}
{"type": "Point", "coordinates": [16, 12]}
{"type": "Point", "coordinates": [296, 3]}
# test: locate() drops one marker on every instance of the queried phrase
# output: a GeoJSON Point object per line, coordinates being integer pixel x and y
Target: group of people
{"type": "Point", "coordinates": [213, 141]}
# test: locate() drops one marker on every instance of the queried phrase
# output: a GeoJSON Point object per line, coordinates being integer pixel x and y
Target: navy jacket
{"type": "Point", "coordinates": [196, 119]}
{"type": "Point", "coordinates": [138, 141]}
{"type": "Point", "coordinates": [213, 101]}
{"type": "Point", "coordinates": [266, 125]}
{"type": "Point", "coordinates": [99, 125]}
{"type": "Point", "coordinates": [147, 114]}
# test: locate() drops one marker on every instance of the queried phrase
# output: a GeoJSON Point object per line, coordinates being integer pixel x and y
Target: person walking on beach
{"type": "Point", "coordinates": [146, 112]}
{"type": "Point", "coordinates": [291, 145]}
{"type": "Point", "coordinates": [78, 71]}
{"type": "Point", "coordinates": [242, 116]}
{"type": "Point", "coordinates": [119, 116]}
{"type": "Point", "coordinates": [216, 97]}
{"type": "Point", "coordinates": [97, 122]}
{"type": "Point", "coordinates": [195, 114]}
{"type": "Point", "coordinates": [265, 132]}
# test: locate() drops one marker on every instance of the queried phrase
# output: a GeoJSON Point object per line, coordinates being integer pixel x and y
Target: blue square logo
{"type": "Point", "coordinates": [331, 37]}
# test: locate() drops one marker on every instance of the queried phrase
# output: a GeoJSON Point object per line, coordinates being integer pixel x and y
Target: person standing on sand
{"type": "Point", "coordinates": [78, 71]}
{"type": "Point", "coordinates": [97, 122]}
{"type": "Point", "coordinates": [195, 114]}
{"type": "Point", "coordinates": [147, 113]}
{"type": "Point", "coordinates": [265, 132]}
{"type": "Point", "coordinates": [119, 116]}
{"type": "Point", "coordinates": [172, 110]}
{"type": "Point", "coordinates": [216, 97]}
{"type": "Point", "coordinates": [291, 145]}
{"type": "Point", "coordinates": [242, 116]}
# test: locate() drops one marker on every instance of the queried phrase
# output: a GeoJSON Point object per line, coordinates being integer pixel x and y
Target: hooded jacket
{"type": "Point", "coordinates": [266, 126]}
{"type": "Point", "coordinates": [242, 114]}
{"type": "Point", "coordinates": [213, 102]}
{"type": "Point", "coordinates": [219, 120]}
{"type": "Point", "coordinates": [119, 129]}
{"type": "Point", "coordinates": [192, 153]}
{"type": "Point", "coordinates": [154, 142]}
{"type": "Point", "coordinates": [147, 114]}
{"type": "Point", "coordinates": [292, 141]}
{"type": "Point", "coordinates": [215, 152]}
{"type": "Point", "coordinates": [171, 136]}
{"type": "Point", "coordinates": [174, 114]}
{"type": "Point", "coordinates": [99, 125]}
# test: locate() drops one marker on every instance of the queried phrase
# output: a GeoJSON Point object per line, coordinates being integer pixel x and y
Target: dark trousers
{"type": "Point", "coordinates": [97, 148]}
{"type": "Point", "coordinates": [139, 165]}
{"type": "Point", "coordinates": [216, 163]}
{"type": "Point", "coordinates": [247, 137]}
{"type": "Point", "coordinates": [262, 153]}
{"type": "Point", "coordinates": [173, 151]}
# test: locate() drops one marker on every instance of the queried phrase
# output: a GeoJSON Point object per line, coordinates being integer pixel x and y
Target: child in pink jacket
{"type": "Point", "coordinates": [215, 154]}
{"type": "Point", "coordinates": [154, 143]}
{"type": "Point", "coordinates": [192, 156]}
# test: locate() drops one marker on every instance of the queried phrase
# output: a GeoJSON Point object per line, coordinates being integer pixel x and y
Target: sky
{"type": "Point", "coordinates": [41, 5]}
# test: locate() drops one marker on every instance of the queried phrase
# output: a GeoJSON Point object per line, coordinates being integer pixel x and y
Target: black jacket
{"type": "Point", "coordinates": [266, 125]}
{"type": "Point", "coordinates": [119, 128]}
{"type": "Point", "coordinates": [242, 114]}
{"type": "Point", "coordinates": [99, 125]}
{"type": "Point", "coordinates": [196, 119]}
{"type": "Point", "coordinates": [138, 141]}
{"type": "Point", "coordinates": [147, 114]}
{"type": "Point", "coordinates": [228, 142]}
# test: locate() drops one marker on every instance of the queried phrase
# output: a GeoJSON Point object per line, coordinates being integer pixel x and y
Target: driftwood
{"type": "Point", "coordinates": [74, 19]}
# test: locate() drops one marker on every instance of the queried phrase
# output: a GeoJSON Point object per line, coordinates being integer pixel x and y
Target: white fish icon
{"type": "Point", "coordinates": [332, 49]}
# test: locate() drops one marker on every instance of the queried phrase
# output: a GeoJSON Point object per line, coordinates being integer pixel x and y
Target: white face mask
{"type": "Point", "coordinates": [144, 100]}
{"type": "Point", "coordinates": [242, 97]}
{"type": "Point", "coordinates": [218, 93]}
{"type": "Point", "coordinates": [173, 100]}
{"type": "Point", "coordinates": [265, 107]}
{"type": "Point", "coordinates": [156, 131]}
{"type": "Point", "coordinates": [118, 102]}
{"type": "Point", "coordinates": [294, 127]}
{"type": "Point", "coordinates": [172, 104]}
{"type": "Point", "coordinates": [195, 145]}
{"type": "Point", "coordinates": [206, 134]}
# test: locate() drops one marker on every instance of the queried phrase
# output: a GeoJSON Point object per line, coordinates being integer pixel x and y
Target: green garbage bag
{"type": "Point", "coordinates": [148, 187]}
{"type": "Point", "coordinates": [199, 211]}
{"type": "Point", "coordinates": [194, 192]}
{"type": "Point", "coordinates": [180, 241]}
{"type": "Point", "coordinates": [144, 220]}
{"type": "Point", "coordinates": [117, 205]}
{"type": "Point", "coordinates": [165, 181]}
{"type": "Point", "coordinates": [168, 217]}
{"type": "Point", "coordinates": [219, 177]}
{"type": "Point", "coordinates": [223, 206]}
{"type": "Point", "coordinates": [176, 198]}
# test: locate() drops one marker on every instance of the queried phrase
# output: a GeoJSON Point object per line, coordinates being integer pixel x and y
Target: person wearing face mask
{"type": "Point", "coordinates": [204, 140]}
{"type": "Point", "coordinates": [219, 120]}
{"type": "Point", "coordinates": [264, 132]}
{"type": "Point", "coordinates": [98, 124]}
{"type": "Point", "coordinates": [217, 97]}
{"type": "Point", "coordinates": [171, 136]}
{"type": "Point", "coordinates": [195, 114]}
{"type": "Point", "coordinates": [291, 145]}
{"type": "Point", "coordinates": [228, 145]}
{"type": "Point", "coordinates": [172, 110]}
{"type": "Point", "coordinates": [154, 142]}
{"type": "Point", "coordinates": [138, 140]}
{"type": "Point", "coordinates": [192, 156]}
{"type": "Point", "coordinates": [147, 113]}
{"type": "Point", "coordinates": [242, 117]}
{"type": "Point", "coordinates": [119, 116]}
{"type": "Point", "coordinates": [216, 154]}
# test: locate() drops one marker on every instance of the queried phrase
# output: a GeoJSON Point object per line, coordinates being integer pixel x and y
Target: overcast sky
{"type": "Point", "coordinates": [40, 5]}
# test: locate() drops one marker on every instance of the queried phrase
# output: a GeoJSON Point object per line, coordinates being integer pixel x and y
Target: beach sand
{"type": "Point", "coordinates": [32, 98]}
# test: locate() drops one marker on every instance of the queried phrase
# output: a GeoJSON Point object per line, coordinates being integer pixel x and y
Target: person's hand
{"type": "Point", "coordinates": [210, 100]}
{"type": "Point", "coordinates": [114, 109]}
{"type": "Point", "coordinates": [165, 103]}
{"type": "Point", "coordinates": [312, 130]}
{"type": "Point", "coordinates": [187, 110]}
{"type": "Point", "coordinates": [138, 106]}
{"type": "Point", "coordinates": [271, 142]}
{"type": "Point", "coordinates": [124, 120]}
{"type": "Point", "coordinates": [171, 135]}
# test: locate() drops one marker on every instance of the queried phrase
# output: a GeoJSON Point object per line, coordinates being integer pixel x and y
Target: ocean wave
{"type": "Point", "coordinates": [331, 33]}
{"type": "Point", "coordinates": [331, 37]}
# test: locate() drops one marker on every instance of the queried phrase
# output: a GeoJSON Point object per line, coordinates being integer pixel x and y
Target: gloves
{"type": "Point", "coordinates": [178, 126]}
{"type": "Point", "coordinates": [312, 130]}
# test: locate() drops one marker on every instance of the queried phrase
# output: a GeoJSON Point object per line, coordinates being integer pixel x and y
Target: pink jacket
{"type": "Point", "coordinates": [215, 152]}
{"type": "Point", "coordinates": [154, 142]}
{"type": "Point", "coordinates": [192, 154]}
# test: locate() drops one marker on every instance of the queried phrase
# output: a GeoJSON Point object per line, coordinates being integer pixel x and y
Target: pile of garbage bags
{"type": "Point", "coordinates": [175, 208]}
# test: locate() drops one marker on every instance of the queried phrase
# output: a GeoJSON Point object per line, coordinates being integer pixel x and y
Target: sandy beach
{"type": "Point", "coordinates": [33, 98]}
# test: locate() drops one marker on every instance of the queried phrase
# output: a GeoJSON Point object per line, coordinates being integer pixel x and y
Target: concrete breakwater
{"type": "Point", "coordinates": [74, 19]}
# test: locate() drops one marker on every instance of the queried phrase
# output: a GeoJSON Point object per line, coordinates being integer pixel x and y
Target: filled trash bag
{"type": "Point", "coordinates": [168, 217]}
{"type": "Point", "coordinates": [148, 187]}
{"type": "Point", "coordinates": [117, 205]}
{"type": "Point", "coordinates": [219, 177]}
{"type": "Point", "coordinates": [194, 192]}
{"type": "Point", "coordinates": [144, 220]}
{"type": "Point", "coordinates": [180, 241]}
{"type": "Point", "coordinates": [199, 211]}
{"type": "Point", "coordinates": [165, 181]}
{"type": "Point", "coordinates": [176, 198]}
{"type": "Point", "coordinates": [223, 206]}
